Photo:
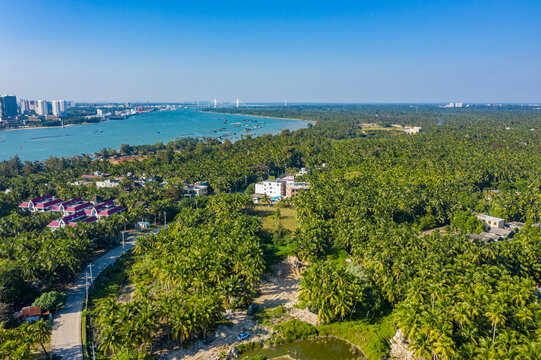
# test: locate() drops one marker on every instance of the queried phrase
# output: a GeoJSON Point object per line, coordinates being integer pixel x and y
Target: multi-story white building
{"type": "Point", "coordinates": [56, 108]}
{"type": "Point", "coordinates": [491, 221]}
{"type": "Point", "coordinates": [25, 106]}
{"type": "Point", "coordinates": [107, 183]}
{"type": "Point", "coordinates": [62, 104]}
{"type": "Point", "coordinates": [271, 188]}
{"type": "Point", "coordinates": [42, 109]}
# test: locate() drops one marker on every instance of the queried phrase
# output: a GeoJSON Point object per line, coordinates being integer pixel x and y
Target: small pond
{"type": "Point", "coordinates": [328, 348]}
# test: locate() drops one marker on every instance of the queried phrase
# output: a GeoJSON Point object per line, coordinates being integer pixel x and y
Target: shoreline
{"type": "Point", "coordinates": [220, 137]}
{"type": "Point", "coordinates": [270, 346]}
{"type": "Point", "coordinates": [41, 127]}
{"type": "Point", "coordinates": [313, 122]}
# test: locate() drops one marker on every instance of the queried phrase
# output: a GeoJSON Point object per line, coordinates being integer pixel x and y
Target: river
{"type": "Point", "coordinates": [150, 128]}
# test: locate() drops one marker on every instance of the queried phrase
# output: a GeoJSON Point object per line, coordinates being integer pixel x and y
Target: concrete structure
{"type": "Point", "coordinates": [271, 188]}
{"type": "Point", "coordinates": [292, 189]}
{"type": "Point", "coordinates": [25, 106]}
{"type": "Point", "coordinates": [303, 171]}
{"type": "Point", "coordinates": [107, 183]}
{"type": "Point", "coordinates": [62, 104]}
{"type": "Point", "coordinates": [141, 225]}
{"type": "Point", "coordinates": [8, 107]}
{"type": "Point", "coordinates": [491, 221]}
{"type": "Point", "coordinates": [258, 198]}
{"type": "Point", "coordinates": [197, 189]}
{"type": "Point", "coordinates": [43, 108]}
{"type": "Point", "coordinates": [412, 130]}
{"type": "Point", "coordinates": [56, 108]}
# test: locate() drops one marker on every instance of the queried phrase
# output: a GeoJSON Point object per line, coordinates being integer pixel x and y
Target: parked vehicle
{"type": "Point", "coordinates": [243, 335]}
{"type": "Point", "coordinates": [252, 309]}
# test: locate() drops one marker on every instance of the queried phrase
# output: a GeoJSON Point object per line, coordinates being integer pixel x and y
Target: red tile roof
{"type": "Point", "coordinates": [31, 311]}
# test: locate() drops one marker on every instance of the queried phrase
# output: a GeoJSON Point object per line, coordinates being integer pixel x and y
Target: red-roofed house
{"type": "Point", "coordinates": [43, 203]}
{"type": "Point", "coordinates": [95, 175]}
{"type": "Point", "coordinates": [105, 209]}
{"type": "Point", "coordinates": [62, 207]}
{"type": "Point", "coordinates": [31, 313]}
{"type": "Point", "coordinates": [77, 206]}
{"type": "Point", "coordinates": [72, 220]}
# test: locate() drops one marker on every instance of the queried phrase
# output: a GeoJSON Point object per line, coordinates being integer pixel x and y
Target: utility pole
{"type": "Point", "coordinates": [91, 280]}
{"type": "Point", "coordinates": [165, 218]}
{"type": "Point", "coordinates": [93, 352]}
{"type": "Point", "coordinates": [123, 239]}
{"type": "Point", "coordinates": [86, 289]}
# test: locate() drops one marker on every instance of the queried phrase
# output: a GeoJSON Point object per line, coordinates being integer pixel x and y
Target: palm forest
{"type": "Point", "coordinates": [386, 236]}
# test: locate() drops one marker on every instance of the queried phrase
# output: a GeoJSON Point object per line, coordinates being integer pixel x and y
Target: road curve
{"type": "Point", "coordinates": [66, 339]}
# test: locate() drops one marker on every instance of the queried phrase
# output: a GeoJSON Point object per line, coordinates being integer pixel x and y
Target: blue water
{"type": "Point", "coordinates": [150, 128]}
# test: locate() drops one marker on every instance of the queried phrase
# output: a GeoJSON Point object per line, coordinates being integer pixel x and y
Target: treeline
{"type": "Point", "coordinates": [35, 260]}
{"type": "Point", "coordinates": [453, 298]}
{"type": "Point", "coordinates": [184, 278]}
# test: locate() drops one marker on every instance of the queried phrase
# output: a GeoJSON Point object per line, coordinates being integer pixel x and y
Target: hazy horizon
{"type": "Point", "coordinates": [386, 52]}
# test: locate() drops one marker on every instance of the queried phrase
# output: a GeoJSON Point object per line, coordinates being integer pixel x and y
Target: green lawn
{"type": "Point", "coordinates": [288, 217]}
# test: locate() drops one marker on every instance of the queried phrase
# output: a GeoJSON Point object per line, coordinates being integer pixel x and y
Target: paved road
{"type": "Point", "coordinates": [66, 340]}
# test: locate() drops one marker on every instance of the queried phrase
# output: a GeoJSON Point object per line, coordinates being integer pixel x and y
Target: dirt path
{"type": "Point", "coordinates": [277, 290]}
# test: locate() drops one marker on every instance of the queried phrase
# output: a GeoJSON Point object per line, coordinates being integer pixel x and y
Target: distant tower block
{"type": "Point", "coordinates": [215, 103]}
{"type": "Point", "coordinates": [285, 102]}
{"type": "Point", "coordinates": [237, 103]}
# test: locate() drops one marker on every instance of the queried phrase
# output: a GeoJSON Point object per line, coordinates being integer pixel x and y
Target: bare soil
{"type": "Point", "coordinates": [279, 289]}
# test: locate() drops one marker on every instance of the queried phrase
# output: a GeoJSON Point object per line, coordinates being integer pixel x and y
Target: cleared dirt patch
{"type": "Point", "coordinates": [277, 290]}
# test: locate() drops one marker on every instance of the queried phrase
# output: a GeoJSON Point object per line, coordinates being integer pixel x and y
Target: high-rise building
{"type": "Point", "coordinates": [33, 105]}
{"type": "Point", "coordinates": [56, 107]}
{"type": "Point", "coordinates": [8, 107]}
{"type": "Point", "coordinates": [25, 106]}
{"type": "Point", "coordinates": [62, 106]}
{"type": "Point", "coordinates": [43, 108]}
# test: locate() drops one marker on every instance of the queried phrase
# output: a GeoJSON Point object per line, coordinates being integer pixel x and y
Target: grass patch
{"type": "Point", "coordinates": [274, 254]}
{"type": "Point", "coordinates": [292, 330]}
{"type": "Point", "coordinates": [288, 217]}
{"type": "Point", "coordinates": [270, 316]}
{"type": "Point", "coordinates": [110, 281]}
{"type": "Point", "coordinates": [254, 345]}
{"type": "Point", "coordinates": [371, 337]}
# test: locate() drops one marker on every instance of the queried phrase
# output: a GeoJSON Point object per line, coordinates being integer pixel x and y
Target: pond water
{"type": "Point", "coordinates": [328, 348]}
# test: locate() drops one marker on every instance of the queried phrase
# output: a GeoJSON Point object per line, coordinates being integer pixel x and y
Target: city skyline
{"type": "Point", "coordinates": [389, 52]}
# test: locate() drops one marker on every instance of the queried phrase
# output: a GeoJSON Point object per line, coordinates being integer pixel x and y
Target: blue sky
{"type": "Point", "coordinates": [302, 51]}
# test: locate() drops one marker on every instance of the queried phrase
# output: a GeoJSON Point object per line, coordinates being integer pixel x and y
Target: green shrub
{"type": "Point", "coordinates": [249, 346]}
{"type": "Point", "coordinates": [294, 330]}
{"type": "Point", "coordinates": [51, 301]}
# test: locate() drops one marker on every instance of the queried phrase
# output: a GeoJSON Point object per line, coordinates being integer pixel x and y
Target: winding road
{"type": "Point", "coordinates": [66, 341]}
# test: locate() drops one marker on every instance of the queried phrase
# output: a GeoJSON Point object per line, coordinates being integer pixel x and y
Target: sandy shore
{"type": "Point", "coordinates": [42, 127]}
